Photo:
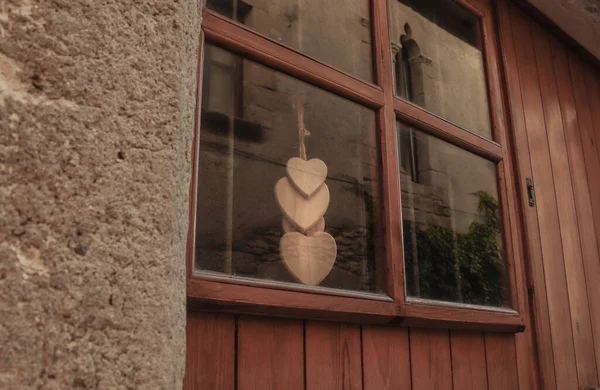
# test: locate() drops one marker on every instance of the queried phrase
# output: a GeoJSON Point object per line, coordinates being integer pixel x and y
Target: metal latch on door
{"type": "Point", "coordinates": [531, 195]}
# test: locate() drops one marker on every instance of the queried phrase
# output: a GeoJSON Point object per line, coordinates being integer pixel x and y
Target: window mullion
{"type": "Point", "coordinates": [390, 179]}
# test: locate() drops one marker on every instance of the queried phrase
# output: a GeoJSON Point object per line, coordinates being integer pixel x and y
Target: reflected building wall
{"type": "Point", "coordinates": [238, 231]}
{"type": "Point", "coordinates": [446, 71]}
{"type": "Point", "coordinates": [342, 134]}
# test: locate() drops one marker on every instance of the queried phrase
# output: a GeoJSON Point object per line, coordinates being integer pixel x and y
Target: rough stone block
{"type": "Point", "coordinates": [99, 98]}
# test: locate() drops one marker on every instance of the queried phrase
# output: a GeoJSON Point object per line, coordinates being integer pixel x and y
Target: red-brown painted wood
{"type": "Point", "coordinates": [270, 354]}
{"type": "Point", "coordinates": [333, 356]}
{"type": "Point", "coordinates": [210, 355]}
{"type": "Point", "coordinates": [593, 84]}
{"type": "Point", "coordinates": [391, 210]}
{"type": "Point", "coordinates": [506, 169]}
{"type": "Point", "coordinates": [431, 362]}
{"type": "Point", "coordinates": [501, 360]}
{"type": "Point", "coordinates": [589, 141]}
{"type": "Point", "coordinates": [277, 300]}
{"type": "Point", "coordinates": [529, 367]}
{"type": "Point", "coordinates": [386, 358]}
{"type": "Point", "coordinates": [414, 115]}
{"type": "Point", "coordinates": [550, 239]}
{"type": "Point", "coordinates": [469, 371]}
{"type": "Point", "coordinates": [586, 272]}
{"type": "Point", "coordinates": [434, 315]}
{"type": "Point", "coordinates": [569, 233]}
{"type": "Point", "coordinates": [593, 134]}
{"type": "Point", "coordinates": [592, 170]}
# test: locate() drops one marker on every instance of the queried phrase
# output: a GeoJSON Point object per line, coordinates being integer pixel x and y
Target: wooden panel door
{"type": "Point", "coordinates": [551, 112]}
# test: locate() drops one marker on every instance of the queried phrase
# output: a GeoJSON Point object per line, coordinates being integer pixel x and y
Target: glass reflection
{"type": "Point", "coordinates": [438, 61]}
{"type": "Point", "coordinates": [337, 32]}
{"type": "Point", "coordinates": [249, 130]}
{"type": "Point", "coordinates": [451, 223]}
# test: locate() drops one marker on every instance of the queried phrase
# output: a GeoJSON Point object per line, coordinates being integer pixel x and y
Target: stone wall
{"type": "Point", "coordinates": [96, 122]}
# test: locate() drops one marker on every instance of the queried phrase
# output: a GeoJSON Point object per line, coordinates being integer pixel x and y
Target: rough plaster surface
{"type": "Point", "coordinates": [96, 120]}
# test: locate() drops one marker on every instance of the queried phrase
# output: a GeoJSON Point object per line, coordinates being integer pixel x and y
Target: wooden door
{"type": "Point", "coordinates": [554, 99]}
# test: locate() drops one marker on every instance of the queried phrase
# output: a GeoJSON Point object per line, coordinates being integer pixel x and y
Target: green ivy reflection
{"type": "Point", "coordinates": [458, 267]}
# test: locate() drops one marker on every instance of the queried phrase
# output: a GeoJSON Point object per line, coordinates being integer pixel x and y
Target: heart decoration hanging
{"type": "Point", "coordinates": [309, 259]}
{"type": "Point", "coordinates": [306, 176]}
{"type": "Point", "coordinates": [289, 228]}
{"type": "Point", "coordinates": [307, 251]}
{"type": "Point", "coordinates": [302, 212]}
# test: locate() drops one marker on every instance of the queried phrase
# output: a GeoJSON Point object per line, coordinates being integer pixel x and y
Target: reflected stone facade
{"type": "Point", "coordinates": [249, 118]}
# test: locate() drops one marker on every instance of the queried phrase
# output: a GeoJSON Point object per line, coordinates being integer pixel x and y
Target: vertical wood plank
{"type": "Point", "coordinates": [270, 354]}
{"type": "Point", "coordinates": [593, 84]}
{"type": "Point", "coordinates": [333, 356]}
{"type": "Point", "coordinates": [386, 358]}
{"type": "Point", "coordinates": [591, 133]}
{"type": "Point", "coordinates": [501, 361]}
{"type": "Point", "coordinates": [587, 134]}
{"type": "Point", "coordinates": [569, 232]}
{"type": "Point", "coordinates": [528, 369]}
{"type": "Point", "coordinates": [210, 355]}
{"type": "Point", "coordinates": [550, 239]}
{"type": "Point", "coordinates": [469, 371]}
{"type": "Point", "coordinates": [431, 363]}
{"type": "Point", "coordinates": [589, 345]}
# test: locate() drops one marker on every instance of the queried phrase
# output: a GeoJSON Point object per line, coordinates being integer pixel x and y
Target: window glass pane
{"type": "Point", "coordinates": [337, 32]}
{"type": "Point", "coordinates": [438, 61]}
{"type": "Point", "coordinates": [451, 223]}
{"type": "Point", "coordinates": [249, 131]}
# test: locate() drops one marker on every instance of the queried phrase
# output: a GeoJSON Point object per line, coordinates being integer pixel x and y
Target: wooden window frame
{"type": "Point", "coordinates": [210, 291]}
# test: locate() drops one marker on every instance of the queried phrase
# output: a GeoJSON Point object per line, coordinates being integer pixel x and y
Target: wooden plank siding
{"type": "Point", "coordinates": [501, 361]}
{"type": "Point", "coordinates": [587, 269]}
{"type": "Point", "coordinates": [542, 368]}
{"type": "Point", "coordinates": [551, 260]}
{"type": "Point", "coordinates": [271, 353]}
{"type": "Point", "coordinates": [469, 371]}
{"type": "Point", "coordinates": [210, 361]}
{"type": "Point", "coordinates": [431, 361]}
{"type": "Point", "coordinates": [554, 107]}
{"type": "Point", "coordinates": [593, 93]}
{"type": "Point", "coordinates": [386, 358]}
{"type": "Point", "coordinates": [333, 356]}
{"type": "Point", "coordinates": [591, 207]}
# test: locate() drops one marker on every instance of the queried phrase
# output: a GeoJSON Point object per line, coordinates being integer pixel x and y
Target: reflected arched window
{"type": "Point", "coordinates": [405, 83]}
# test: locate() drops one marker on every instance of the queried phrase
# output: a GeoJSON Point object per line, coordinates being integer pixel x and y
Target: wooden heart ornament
{"type": "Point", "coordinates": [302, 212]}
{"type": "Point", "coordinates": [309, 259]}
{"type": "Point", "coordinates": [306, 176]}
{"type": "Point", "coordinates": [289, 228]}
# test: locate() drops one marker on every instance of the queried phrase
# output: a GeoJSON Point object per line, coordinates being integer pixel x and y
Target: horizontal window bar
{"type": "Point", "coordinates": [233, 36]}
{"type": "Point", "coordinates": [447, 131]}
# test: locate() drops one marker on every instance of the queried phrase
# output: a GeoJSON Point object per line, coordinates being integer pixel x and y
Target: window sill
{"type": "Point", "coordinates": [209, 292]}
{"type": "Point", "coordinates": [236, 295]}
{"type": "Point", "coordinates": [434, 314]}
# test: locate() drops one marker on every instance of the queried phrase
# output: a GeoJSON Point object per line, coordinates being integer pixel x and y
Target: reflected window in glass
{"type": "Point", "coordinates": [250, 121]}
{"type": "Point", "coordinates": [453, 246]}
{"type": "Point", "coordinates": [439, 61]}
{"type": "Point", "coordinates": [337, 32]}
